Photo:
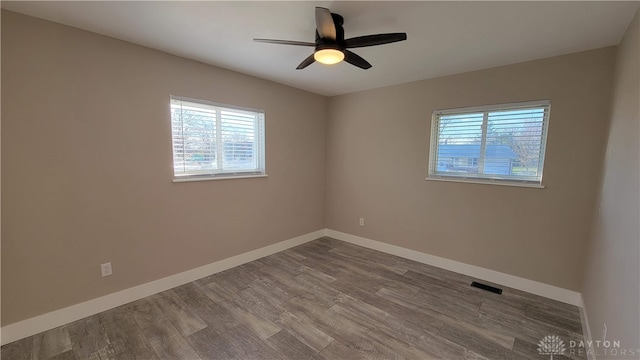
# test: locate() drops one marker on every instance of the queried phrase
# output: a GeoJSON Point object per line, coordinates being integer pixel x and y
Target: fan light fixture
{"type": "Point", "coordinates": [328, 56]}
{"type": "Point", "coordinates": [331, 47]}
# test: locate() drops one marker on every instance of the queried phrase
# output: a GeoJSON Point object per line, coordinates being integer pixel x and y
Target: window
{"type": "Point", "coordinates": [502, 144]}
{"type": "Point", "coordinates": [213, 141]}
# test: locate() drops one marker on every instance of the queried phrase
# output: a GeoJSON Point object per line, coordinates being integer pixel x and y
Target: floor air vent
{"type": "Point", "coordinates": [492, 289]}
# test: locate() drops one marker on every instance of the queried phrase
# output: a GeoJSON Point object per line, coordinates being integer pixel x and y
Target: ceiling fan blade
{"type": "Point", "coordinates": [324, 24]}
{"type": "Point", "coordinates": [355, 59]}
{"type": "Point", "coordinates": [306, 62]}
{"type": "Point", "coordinates": [285, 42]}
{"type": "Point", "coordinates": [372, 40]}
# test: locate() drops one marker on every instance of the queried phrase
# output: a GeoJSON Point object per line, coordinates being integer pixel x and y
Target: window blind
{"type": "Point", "coordinates": [210, 139]}
{"type": "Point", "coordinates": [494, 143]}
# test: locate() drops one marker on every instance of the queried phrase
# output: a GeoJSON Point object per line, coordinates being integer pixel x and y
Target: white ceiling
{"type": "Point", "coordinates": [443, 37]}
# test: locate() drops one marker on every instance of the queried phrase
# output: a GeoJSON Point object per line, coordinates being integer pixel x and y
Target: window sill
{"type": "Point", "coordinates": [487, 182]}
{"type": "Point", "coordinates": [221, 177]}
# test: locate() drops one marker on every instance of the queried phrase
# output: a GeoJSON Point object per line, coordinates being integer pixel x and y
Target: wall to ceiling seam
{"type": "Point", "coordinates": [86, 143]}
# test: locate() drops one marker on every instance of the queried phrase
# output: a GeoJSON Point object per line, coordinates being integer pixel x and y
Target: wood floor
{"type": "Point", "coordinates": [325, 299]}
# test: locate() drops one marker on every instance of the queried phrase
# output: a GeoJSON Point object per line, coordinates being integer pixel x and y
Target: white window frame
{"type": "Point", "coordinates": [222, 174]}
{"type": "Point", "coordinates": [514, 180]}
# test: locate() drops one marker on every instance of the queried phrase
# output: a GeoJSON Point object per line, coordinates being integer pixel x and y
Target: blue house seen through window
{"type": "Point", "coordinates": [464, 158]}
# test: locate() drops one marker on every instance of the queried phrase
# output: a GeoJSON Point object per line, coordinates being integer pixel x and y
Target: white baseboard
{"type": "Point", "coordinates": [586, 330]}
{"type": "Point", "coordinates": [534, 287]}
{"type": "Point", "coordinates": [40, 323]}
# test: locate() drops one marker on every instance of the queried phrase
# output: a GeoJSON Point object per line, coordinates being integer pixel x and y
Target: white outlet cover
{"type": "Point", "coordinates": [105, 269]}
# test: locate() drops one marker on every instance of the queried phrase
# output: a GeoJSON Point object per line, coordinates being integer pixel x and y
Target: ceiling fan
{"type": "Point", "coordinates": [331, 46]}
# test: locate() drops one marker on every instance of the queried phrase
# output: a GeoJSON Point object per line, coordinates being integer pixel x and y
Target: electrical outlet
{"type": "Point", "coordinates": [604, 332]}
{"type": "Point", "coordinates": [361, 221]}
{"type": "Point", "coordinates": [105, 269]}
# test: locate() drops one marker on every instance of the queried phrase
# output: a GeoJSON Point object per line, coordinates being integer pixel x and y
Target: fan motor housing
{"type": "Point", "coordinates": [322, 44]}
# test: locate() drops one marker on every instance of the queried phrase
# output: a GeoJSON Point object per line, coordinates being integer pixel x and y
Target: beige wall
{"type": "Point", "coordinates": [611, 290]}
{"type": "Point", "coordinates": [87, 169]}
{"type": "Point", "coordinates": [86, 157]}
{"type": "Point", "coordinates": [377, 156]}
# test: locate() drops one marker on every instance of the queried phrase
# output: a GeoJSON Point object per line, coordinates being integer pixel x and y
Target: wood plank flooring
{"type": "Point", "coordinates": [325, 299]}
